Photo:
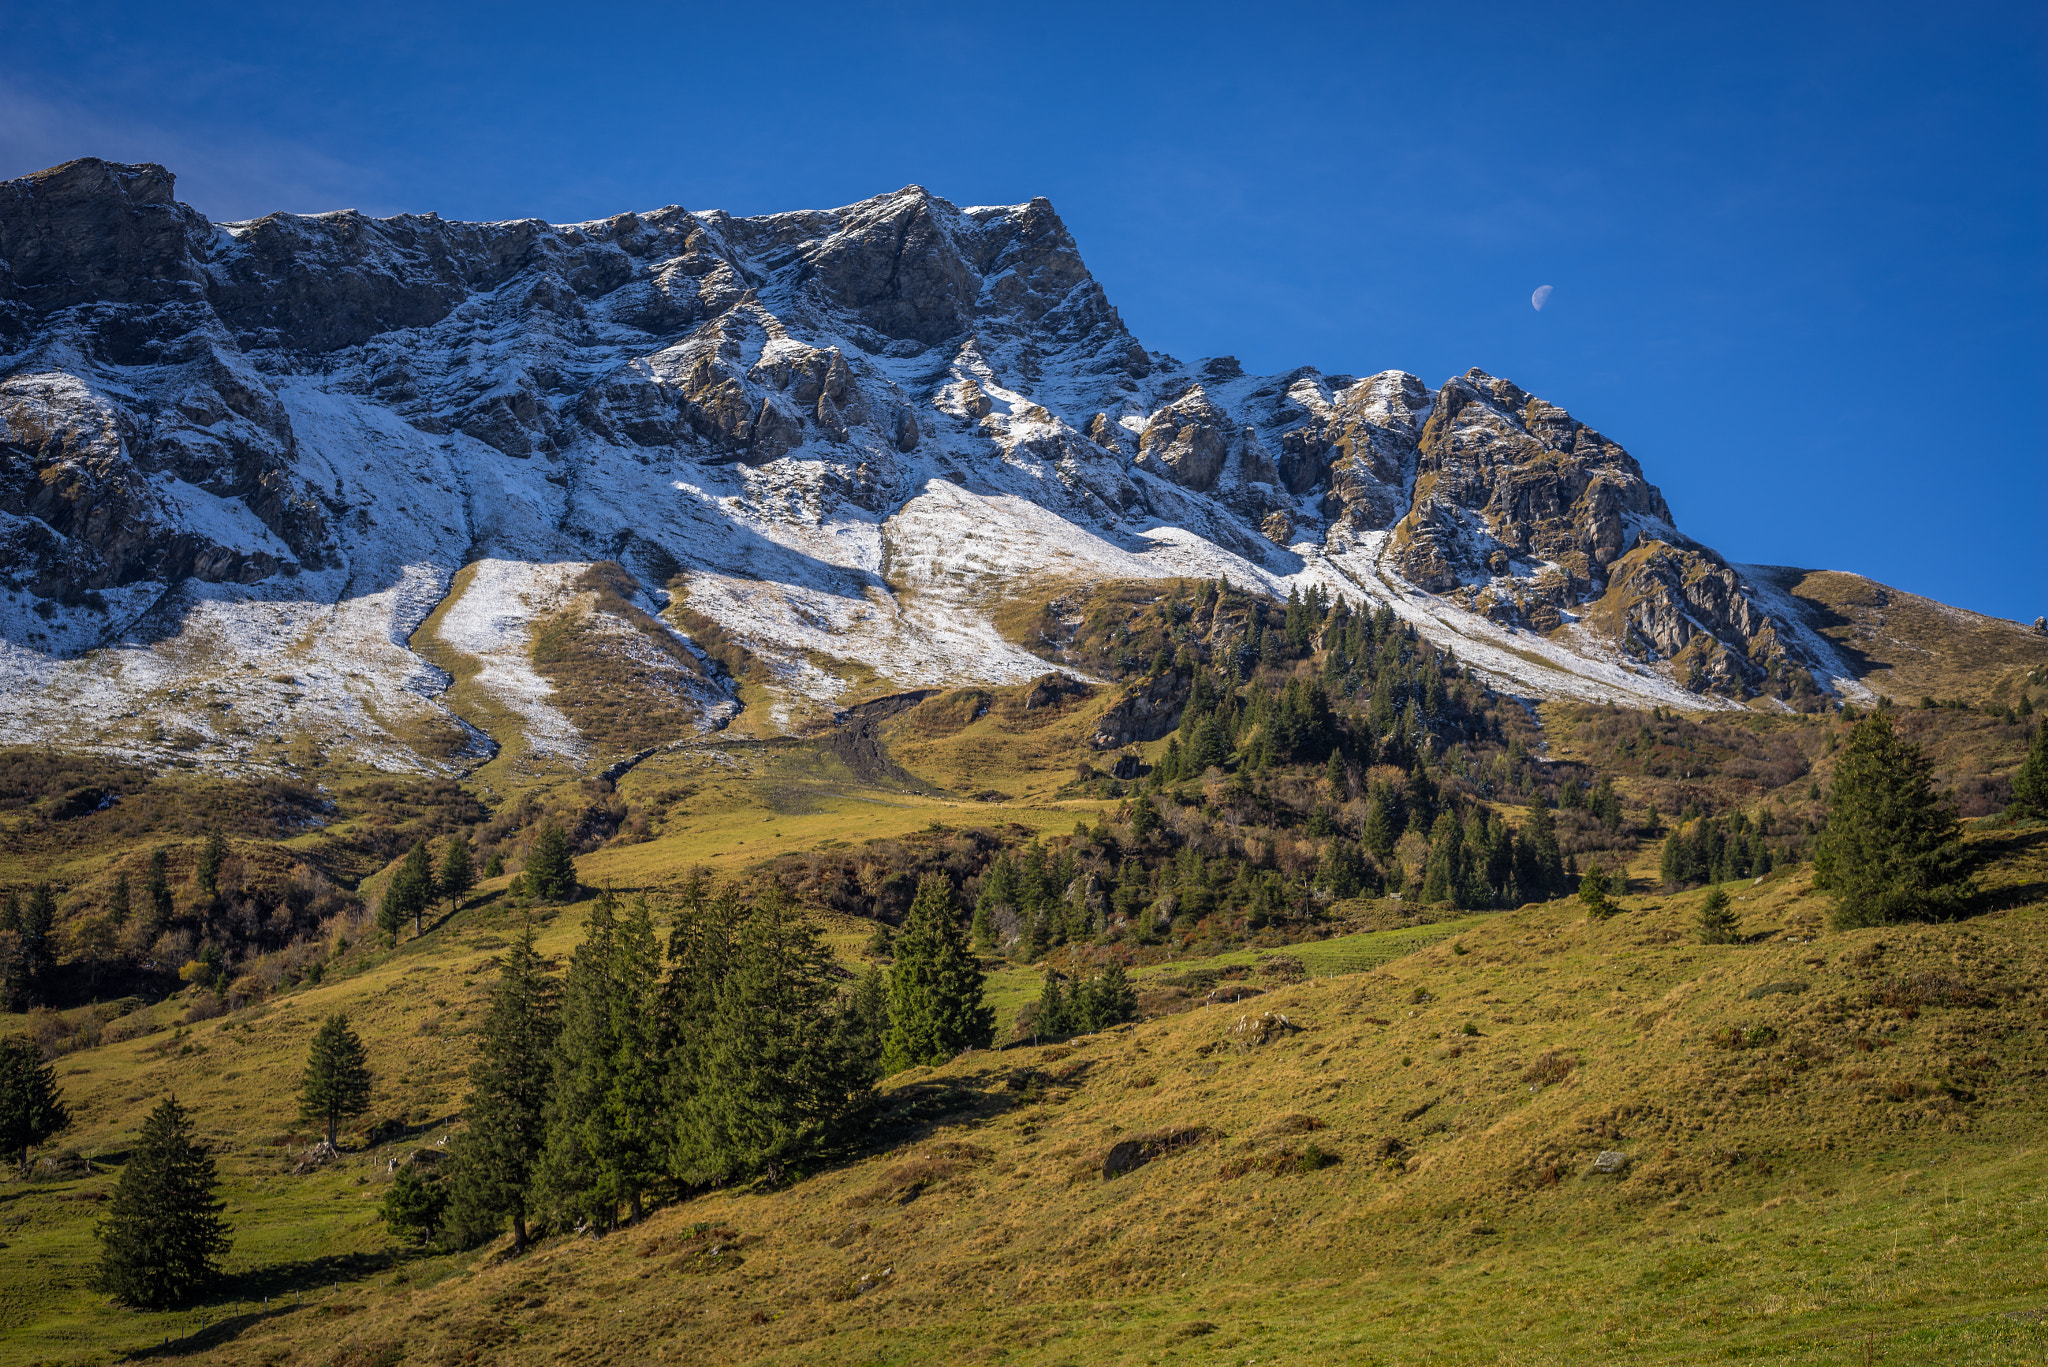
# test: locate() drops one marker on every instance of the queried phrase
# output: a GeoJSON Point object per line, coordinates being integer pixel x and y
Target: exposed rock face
{"type": "Point", "coordinates": [1145, 711]}
{"type": "Point", "coordinates": [785, 416]}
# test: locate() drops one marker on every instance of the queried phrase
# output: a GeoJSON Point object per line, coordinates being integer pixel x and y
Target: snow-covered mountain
{"type": "Point", "coordinates": [327, 479]}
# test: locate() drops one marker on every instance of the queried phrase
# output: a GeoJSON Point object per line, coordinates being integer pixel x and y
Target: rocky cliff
{"type": "Point", "coordinates": [324, 447]}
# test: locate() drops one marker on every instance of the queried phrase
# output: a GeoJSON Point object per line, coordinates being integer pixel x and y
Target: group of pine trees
{"type": "Point", "coordinates": [418, 884]}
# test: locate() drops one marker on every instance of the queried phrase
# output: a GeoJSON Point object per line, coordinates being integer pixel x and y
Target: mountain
{"type": "Point", "coordinates": [408, 490]}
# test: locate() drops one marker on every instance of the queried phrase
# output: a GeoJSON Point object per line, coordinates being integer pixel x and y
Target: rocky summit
{"type": "Point", "coordinates": [333, 477]}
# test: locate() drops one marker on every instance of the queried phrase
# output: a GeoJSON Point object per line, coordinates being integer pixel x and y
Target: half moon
{"type": "Point", "coordinates": [1540, 297]}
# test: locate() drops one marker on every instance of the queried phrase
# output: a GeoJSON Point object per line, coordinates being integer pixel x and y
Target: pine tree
{"type": "Point", "coordinates": [10, 912]}
{"type": "Point", "coordinates": [578, 1162]}
{"type": "Point", "coordinates": [550, 872]}
{"type": "Point", "coordinates": [775, 1078]}
{"type": "Point", "coordinates": [415, 1205]}
{"type": "Point", "coordinates": [1593, 889]}
{"type": "Point", "coordinates": [458, 873]}
{"type": "Point", "coordinates": [1378, 835]}
{"type": "Point", "coordinates": [211, 855]}
{"type": "Point", "coordinates": [867, 1024]}
{"type": "Point", "coordinates": [1050, 1020]}
{"type": "Point", "coordinates": [119, 906]}
{"type": "Point", "coordinates": [1891, 850]}
{"type": "Point", "coordinates": [935, 987]}
{"type": "Point", "coordinates": [1542, 837]}
{"type": "Point", "coordinates": [1717, 920]}
{"type": "Point", "coordinates": [336, 1084]}
{"type": "Point", "coordinates": [638, 1031]}
{"type": "Point", "coordinates": [1111, 998]}
{"type": "Point", "coordinates": [163, 1238]}
{"type": "Point", "coordinates": [31, 1109]}
{"type": "Point", "coordinates": [508, 1094]}
{"type": "Point", "coordinates": [1443, 875]}
{"type": "Point", "coordinates": [38, 949]}
{"type": "Point", "coordinates": [409, 893]}
{"type": "Point", "coordinates": [2030, 784]}
{"type": "Point", "coordinates": [158, 886]}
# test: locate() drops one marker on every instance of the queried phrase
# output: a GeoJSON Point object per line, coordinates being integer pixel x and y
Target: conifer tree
{"type": "Point", "coordinates": [578, 1166]}
{"type": "Point", "coordinates": [163, 1238]}
{"type": "Point", "coordinates": [410, 893]}
{"type": "Point", "coordinates": [2030, 784]}
{"type": "Point", "coordinates": [31, 1109]}
{"type": "Point", "coordinates": [1111, 1000]}
{"type": "Point", "coordinates": [638, 1030]}
{"type": "Point", "coordinates": [1050, 1020]}
{"type": "Point", "coordinates": [1717, 919]}
{"type": "Point", "coordinates": [775, 1079]}
{"type": "Point", "coordinates": [458, 873]}
{"type": "Point", "coordinates": [509, 1082]}
{"type": "Point", "coordinates": [1891, 850]}
{"type": "Point", "coordinates": [1542, 838]}
{"type": "Point", "coordinates": [1443, 875]}
{"type": "Point", "coordinates": [336, 1084]}
{"type": "Point", "coordinates": [158, 886]}
{"type": "Point", "coordinates": [867, 1024]}
{"type": "Point", "coordinates": [211, 855]}
{"type": "Point", "coordinates": [38, 948]}
{"type": "Point", "coordinates": [10, 912]}
{"type": "Point", "coordinates": [1593, 889]}
{"type": "Point", "coordinates": [550, 871]}
{"type": "Point", "coordinates": [119, 905]}
{"type": "Point", "coordinates": [415, 1205]}
{"type": "Point", "coordinates": [935, 987]}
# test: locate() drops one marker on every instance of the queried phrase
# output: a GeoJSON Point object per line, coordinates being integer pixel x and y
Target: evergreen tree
{"type": "Point", "coordinates": [1593, 890]}
{"type": "Point", "coordinates": [120, 906]}
{"type": "Point", "coordinates": [1541, 835]}
{"type": "Point", "coordinates": [579, 1165]}
{"type": "Point", "coordinates": [10, 912]}
{"type": "Point", "coordinates": [775, 1079]}
{"type": "Point", "coordinates": [458, 873]}
{"type": "Point", "coordinates": [415, 1205]}
{"type": "Point", "coordinates": [410, 892]}
{"type": "Point", "coordinates": [1891, 850]}
{"type": "Point", "coordinates": [1050, 1020]}
{"type": "Point", "coordinates": [638, 1030]}
{"type": "Point", "coordinates": [163, 1238]}
{"type": "Point", "coordinates": [336, 1084]}
{"type": "Point", "coordinates": [867, 1024]}
{"type": "Point", "coordinates": [211, 855]}
{"type": "Point", "coordinates": [38, 948]}
{"type": "Point", "coordinates": [550, 872]}
{"type": "Point", "coordinates": [31, 1110]}
{"type": "Point", "coordinates": [508, 1094]}
{"type": "Point", "coordinates": [1144, 819]}
{"type": "Point", "coordinates": [1109, 999]}
{"type": "Point", "coordinates": [935, 988]}
{"type": "Point", "coordinates": [2030, 784]}
{"type": "Point", "coordinates": [158, 886]}
{"type": "Point", "coordinates": [1378, 835]}
{"type": "Point", "coordinates": [1717, 919]}
{"type": "Point", "coordinates": [1443, 875]}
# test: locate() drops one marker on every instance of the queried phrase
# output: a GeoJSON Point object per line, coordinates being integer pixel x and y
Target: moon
{"type": "Point", "coordinates": [1540, 297]}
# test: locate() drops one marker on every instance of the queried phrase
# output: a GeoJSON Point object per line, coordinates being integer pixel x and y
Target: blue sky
{"type": "Point", "coordinates": [1797, 250]}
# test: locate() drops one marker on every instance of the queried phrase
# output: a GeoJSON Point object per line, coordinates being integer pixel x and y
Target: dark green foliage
{"type": "Point", "coordinates": [415, 1205]}
{"type": "Point", "coordinates": [31, 1109]}
{"type": "Point", "coordinates": [163, 1238]}
{"type": "Point", "coordinates": [1593, 890]}
{"type": "Point", "coordinates": [458, 873]}
{"type": "Point", "coordinates": [935, 987]}
{"type": "Point", "coordinates": [212, 853]}
{"type": "Point", "coordinates": [336, 1084]}
{"type": "Point", "coordinates": [409, 894]}
{"type": "Point", "coordinates": [1717, 850]}
{"type": "Point", "coordinates": [507, 1105]}
{"type": "Point", "coordinates": [550, 872]}
{"type": "Point", "coordinates": [1717, 920]}
{"type": "Point", "coordinates": [882, 944]}
{"type": "Point", "coordinates": [1892, 850]}
{"type": "Point", "coordinates": [36, 961]}
{"type": "Point", "coordinates": [494, 867]}
{"type": "Point", "coordinates": [1105, 1000]}
{"type": "Point", "coordinates": [1049, 1021]}
{"type": "Point", "coordinates": [2030, 784]}
{"type": "Point", "coordinates": [158, 887]}
{"type": "Point", "coordinates": [120, 905]}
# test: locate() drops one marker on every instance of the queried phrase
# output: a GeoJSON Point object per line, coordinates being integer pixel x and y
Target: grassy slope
{"type": "Point", "coordinates": [1786, 1201]}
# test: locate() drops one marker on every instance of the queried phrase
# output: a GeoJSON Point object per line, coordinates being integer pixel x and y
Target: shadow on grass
{"type": "Point", "coordinates": [306, 1275]}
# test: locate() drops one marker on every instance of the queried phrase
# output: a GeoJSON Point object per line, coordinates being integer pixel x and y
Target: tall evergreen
{"type": "Point", "coordinates": [38, 948]}
{"type": "Point", "coordinates": [1593, 890]}
{"type": "Point", "coordinates": [550, 871]}
{"type": "Point", "coordinates": [120, 905]}
{"type": "Point", "coordinates": [496, 1156]}
{"type": "Point", "coordinates": [458, 873]}
{"type": "Point", "coordinates": [158, 886]}
{"type": "Point", "coordinates": [336, 1084]}
{"type": "Point", "coordinates": [1892, 850]}
{"type": "Point", "coordinates": [211, 855]}
{"type": "Point", "coordinates": [409, 893]}
{"type": "Point", "coordinates": [163, 1238]}
{"type": "Point", "coordinates": [1050, 1020]}
{"type": "Point", "coordinates": [579, 1162]}
{"type": "Point", "coordinates": [775, 1079]}
{"type": "Point", "coordinates": [639, 1042]}
{"type": "Point", "coordinates": [31, 1109]}
{"type": "Point", "coordinates": [2030, 784]}
{"type": "Point", "coordinates": [10, 911]}
{"type": "Point", "coordinates": [935, 987]}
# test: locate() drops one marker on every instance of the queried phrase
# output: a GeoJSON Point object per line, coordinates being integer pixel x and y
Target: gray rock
{"type": "Point", "coordinates": [1612, 1161]}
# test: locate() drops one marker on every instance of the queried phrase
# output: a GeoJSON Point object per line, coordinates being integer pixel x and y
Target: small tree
{"type": "Point", "coordinates": [935, 986]}
{"type": "Point", "coordinates": [415, 1205]}
{"type": "Point", "coordinates": [30, 1108]}
{"type": "Point", "coordinates": [161, 907]}
{"type": "Point", "coordinates": [163, 1238]}
{"type": "Point", "coordinates": [1716, 922]}
{"type": "Point", "coordinates": [119, 906]}
{"type": "Point", "coordinates": [2030, 784]}
{"type": "Point", "coordinates": [458, 873]}
{"type": "Point", "coordinates": [1892, 850]}
{"type": "Point", "coordinates": [211, 855]}
{"type": "Point", "coordinates": [1050, 1020]}
{"type": "Point", "coordinates": [38, 940]}
{"type": "Point", "coordinates": [550, 872]}
{"type": "Point", "coordinates": [336, 1084]}
{"type": "Point", "coordinates": [408, 894]}
{"type": "Point", "coordinates": [1593, 888]}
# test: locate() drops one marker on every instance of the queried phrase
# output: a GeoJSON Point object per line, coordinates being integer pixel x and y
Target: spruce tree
{"type": "Point", "coordinates": [550, 872]}
{"type": "Point", "coordinates": [211, 855]}
{"type": "Point", "coordinates": [336, 1084]}
{"type": "Point", "coordinates": [10, 911]}
{"type": "Point", "coordinates": [1593, 889]}
{"type": "Point", "coordinates": [119, 905]}
{"type": "Point", "coordinates": [415, 1205]}
{"type": "Point", "coordinates": [31, 1110]}
{"type": "Point", "coordinates": [1542, 837]}
{"type": "Point", "coordinates": [1050, 1020]}
{"type": "Point", "coordinates": [158, 886]}
{"type": "Point", "coordinates": [495, 1157]}
{"type": "Point", "coordinates": [163, 1238]}
{"type": "Point", "coordinates": [638, 1029]}
{"type": "Point", "coordinates": [38, 948]}
{"type": "Point", "coordinates": [578, 1166]}
{"type": "Point", "coordinates": [1717, 919]}
{"type": "Point", "coordinates": [935, 987]}
{"type": "Point", "coordinates": [458, 873]}
{"type": "Point", "coordinates": [867, 1024]}
{"type": "Point", "coordinates": [775, 1079]}
{"type": "Point", "coordinates": [408, 894]}
{"type": "Point", "coordinates": [2030, 784]}
{"type": "Point", "coordinates": [1892, 849]}
{"type": "Point", "coordinates": [1111, 998]}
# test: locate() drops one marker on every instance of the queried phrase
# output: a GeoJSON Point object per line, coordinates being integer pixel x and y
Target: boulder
{"type": "Point", "coordinates": [1612, 1162]}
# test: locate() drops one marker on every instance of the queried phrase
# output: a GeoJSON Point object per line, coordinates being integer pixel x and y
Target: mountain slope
{"type": "Point", "coordinates": [241, 466]}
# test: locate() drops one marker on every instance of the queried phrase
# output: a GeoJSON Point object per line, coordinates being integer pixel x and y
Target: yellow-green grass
{"type": "Point", "coordinates": [1788, 1201]}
